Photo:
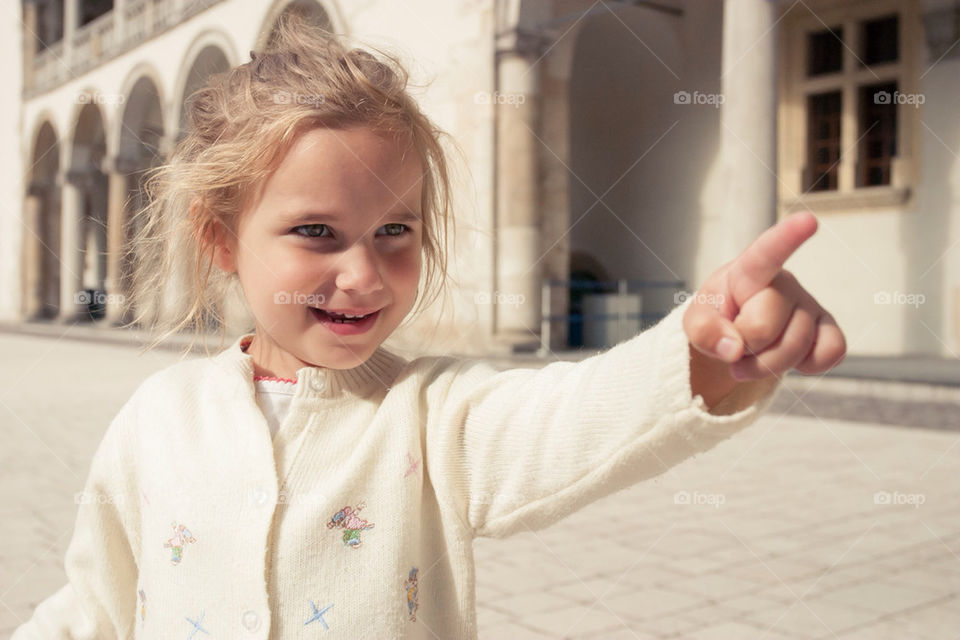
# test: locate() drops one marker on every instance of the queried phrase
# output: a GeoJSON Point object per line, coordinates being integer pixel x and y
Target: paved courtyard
{"type": "Point", "coordinates": [798, 527]}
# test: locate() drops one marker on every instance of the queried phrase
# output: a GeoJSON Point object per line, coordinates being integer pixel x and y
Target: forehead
{"type": "Point", "coordinates": [354, 167]}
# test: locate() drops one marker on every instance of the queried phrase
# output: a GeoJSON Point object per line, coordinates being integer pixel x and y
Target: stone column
{"type": "Point", "coordinates": [71, 18]}
{"type": "Point", "coordinates": [117, 170]}
{"type": "Point", "coordinates": [748, 121]}
{"type": "Point", "coordinates": [32, 252]}
{"type": "Point", "coordinates": [516, 297]}
{"type": "Point", "coordinates": [29, 42]}
{"type": "Point", "coordinates": [72, 308]}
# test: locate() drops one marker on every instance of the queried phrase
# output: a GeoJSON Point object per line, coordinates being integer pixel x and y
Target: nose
{"type": "Point", "coordinates": [359, 271]}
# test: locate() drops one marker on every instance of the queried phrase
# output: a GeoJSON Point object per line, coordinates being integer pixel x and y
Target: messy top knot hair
{"type": "Point", "coordinates": [242, 123]}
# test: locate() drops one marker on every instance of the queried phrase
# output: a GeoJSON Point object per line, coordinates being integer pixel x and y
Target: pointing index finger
{"type": "Point", "coordinates": [760, 263]}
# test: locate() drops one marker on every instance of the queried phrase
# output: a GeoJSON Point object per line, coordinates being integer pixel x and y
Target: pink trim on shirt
{"type": "Point", "coordinates": [275, 379]}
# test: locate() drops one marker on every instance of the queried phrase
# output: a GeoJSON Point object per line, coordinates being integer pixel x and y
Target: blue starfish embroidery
{"type": "Point", "coordinates": [196, 626]}
{"type": "Point", "coordinates": [318, 615]}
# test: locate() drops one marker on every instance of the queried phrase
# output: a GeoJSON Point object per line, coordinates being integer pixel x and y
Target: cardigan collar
{"type": "Point", "coordinates": [376, 373]}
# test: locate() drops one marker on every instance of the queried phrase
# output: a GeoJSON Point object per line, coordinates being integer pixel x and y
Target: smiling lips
{"type": "Point", "coordinates": [345, 325]}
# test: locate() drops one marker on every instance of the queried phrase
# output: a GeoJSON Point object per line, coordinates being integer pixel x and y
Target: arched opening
{"type": "Point", "coordinates": [210, 60]}
{"type": "Point", "coordinates": [41, 267]}
{"type": "Point", "coordinates": [90, 182]}
{"type": "Point", "coordinates": [309, 10]}
{"type": "Point", "coordinates": [139, 150]}
{"type": "Point", "coordinates": [584, 270]}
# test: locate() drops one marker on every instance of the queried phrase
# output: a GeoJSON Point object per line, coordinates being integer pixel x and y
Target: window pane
{"type": "Point", "coordinates": [878, 133]}
{"type": "Point", "coordinates": [93, 9]}
{"type": "Point", "coordinates": [823, 141]}
{"type": "Point", "coordinates": [880, 40]}
{"type": "Point", "coordinates": [825, 51]}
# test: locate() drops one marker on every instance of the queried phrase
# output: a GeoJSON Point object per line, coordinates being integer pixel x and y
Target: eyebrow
{"type": "Point", "coordinates": [305, 216]}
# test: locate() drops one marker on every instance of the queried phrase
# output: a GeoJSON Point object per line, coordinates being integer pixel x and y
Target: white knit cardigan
{"type": "Point", "coordinates": [358, 519]}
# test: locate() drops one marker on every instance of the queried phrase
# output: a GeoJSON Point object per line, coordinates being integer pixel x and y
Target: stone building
{"type": "Point", "coordinates": [643, 141]}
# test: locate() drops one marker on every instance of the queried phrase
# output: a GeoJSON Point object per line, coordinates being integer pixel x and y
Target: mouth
{"type": "Point", "coordinates": [346, 324]}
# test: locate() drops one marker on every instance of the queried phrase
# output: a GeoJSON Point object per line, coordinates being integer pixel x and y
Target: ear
{"type": "Point", "coordinates": [214, 237]}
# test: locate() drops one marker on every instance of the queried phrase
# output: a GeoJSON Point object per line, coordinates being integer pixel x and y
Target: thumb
{"type": "Point", "coordinates": [712, 334]}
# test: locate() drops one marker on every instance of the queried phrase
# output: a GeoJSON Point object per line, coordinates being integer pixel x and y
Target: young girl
{"type": "Point", "coordinates": [307, 482]}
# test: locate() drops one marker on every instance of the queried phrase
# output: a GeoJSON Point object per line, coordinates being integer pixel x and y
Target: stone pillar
{"type": "Point", "coordinates": [29, 42]}
{"type": "Point", "coordinates": [748, 121]}
{"type": "Point", "coordinates": [516, 297]}
{"type": "Point", "coordinates": [71, 18]}
{"type": "Point", "coordinates": [72, 307]}
{"type": "Point", "coordinates": [32, 252]}
{"type": "Point", "coordinates": [117, 170]}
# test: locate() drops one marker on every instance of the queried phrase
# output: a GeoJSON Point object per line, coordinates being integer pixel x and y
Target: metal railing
{"type": "Point", "coordinates": [620, 287]}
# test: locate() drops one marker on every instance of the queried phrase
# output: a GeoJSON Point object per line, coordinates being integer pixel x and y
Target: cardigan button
{"type": "Point", "coordinates": [318, 384]}
{"type": "Point", "coordinates": [251, 620]}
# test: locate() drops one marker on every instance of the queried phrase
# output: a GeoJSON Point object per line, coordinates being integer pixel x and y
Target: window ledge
{"type": "Point", "coordinates": [862, 198]}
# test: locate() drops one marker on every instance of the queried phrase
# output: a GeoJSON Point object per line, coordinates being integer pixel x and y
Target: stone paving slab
{"type": "Point", "coordinates": [798, 527]}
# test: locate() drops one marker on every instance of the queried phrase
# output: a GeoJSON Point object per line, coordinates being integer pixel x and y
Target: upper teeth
{"type": "Point", "coordinates": [341, 315]}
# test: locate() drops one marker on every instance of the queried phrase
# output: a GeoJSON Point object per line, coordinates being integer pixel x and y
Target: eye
{"type": "Point", "coordinates": [310, 226]}
{"type": "Point", "coordinates": [397, 228]}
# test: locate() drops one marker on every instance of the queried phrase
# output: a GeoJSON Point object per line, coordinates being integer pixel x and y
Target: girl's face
{"type": "Point", "coordinates": [336, 226]}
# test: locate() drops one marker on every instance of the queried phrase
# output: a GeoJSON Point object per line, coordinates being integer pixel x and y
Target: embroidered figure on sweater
{"type": "Point", "coordinates": [352, 524]}
{"type": "Point", "coordinates": [318, 615]}
{"type": "Point", "coordinates": [411, 587]}
{"type": "Point", "coordinates": [143, 605]}
{"type": "Point", "coordinates": [196, 625]}
{"type": "Point", "coordinates": [181, 536]}
{"type": "Point", "coordinates": [413, 465]}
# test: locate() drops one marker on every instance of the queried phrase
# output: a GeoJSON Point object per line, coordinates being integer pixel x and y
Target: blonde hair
{"type": "Point", "coordinates": [243, 122]}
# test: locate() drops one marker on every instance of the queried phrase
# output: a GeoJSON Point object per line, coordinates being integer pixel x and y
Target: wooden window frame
{"type": "Point", "coordinates": [795, 87]}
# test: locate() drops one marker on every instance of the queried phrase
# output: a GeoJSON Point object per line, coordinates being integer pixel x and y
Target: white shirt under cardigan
{"type": "Point", "coordinates": [358, 521]}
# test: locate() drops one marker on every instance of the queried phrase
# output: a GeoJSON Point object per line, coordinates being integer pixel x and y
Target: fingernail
{"type": "Point", "coordinates": [727, 348]}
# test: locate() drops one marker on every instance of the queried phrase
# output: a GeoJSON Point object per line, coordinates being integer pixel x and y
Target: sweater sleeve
{"type": "Point", "coordinates": [523, 448]}
{"type": "Point", "coordinates": [99, 599]}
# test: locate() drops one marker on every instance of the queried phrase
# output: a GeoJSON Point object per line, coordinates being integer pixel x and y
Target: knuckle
{"type": "Point", "coordinates": [697, 326]}
{"type": "Point", "coordinates": [756, 330]}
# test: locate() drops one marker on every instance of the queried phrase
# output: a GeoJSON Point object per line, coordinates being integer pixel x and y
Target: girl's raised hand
{"type": "Point", "coordinates": [773, 323]}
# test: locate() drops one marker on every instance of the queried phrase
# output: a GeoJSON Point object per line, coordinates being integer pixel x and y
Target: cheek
{"type": "Point", "coordinates": [405, 268]}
